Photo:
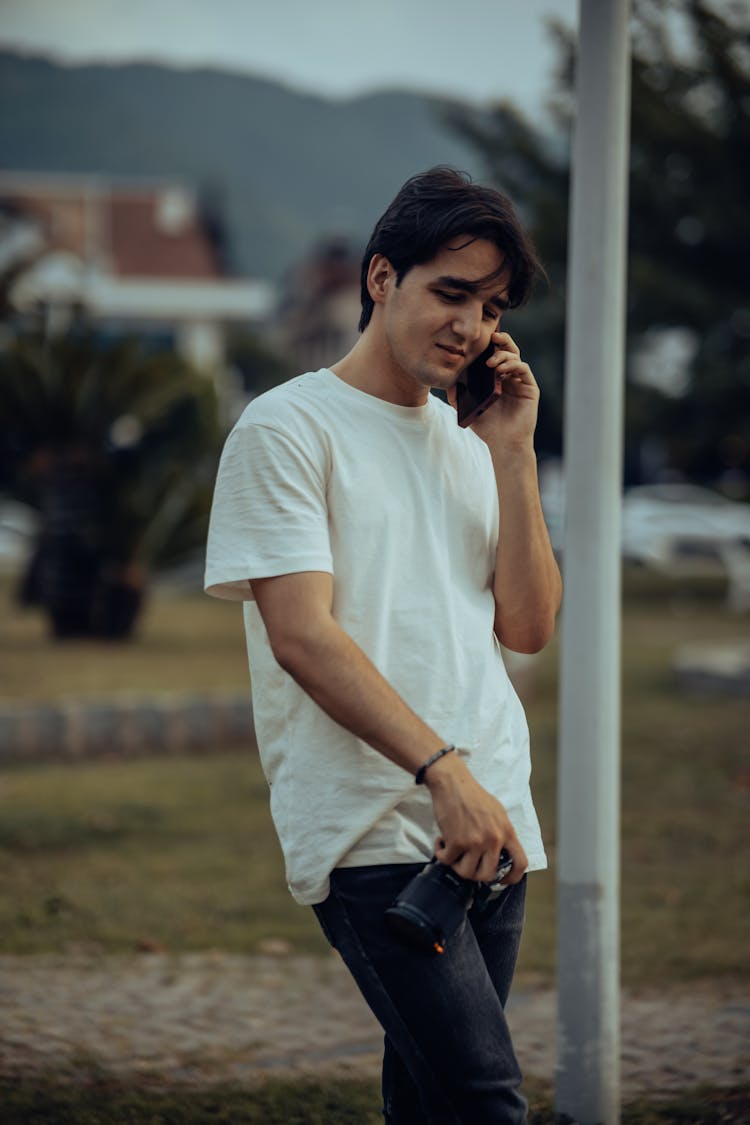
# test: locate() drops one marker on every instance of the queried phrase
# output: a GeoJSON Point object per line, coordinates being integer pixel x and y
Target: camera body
{"type": "Point", "coordinates": [432, 906]}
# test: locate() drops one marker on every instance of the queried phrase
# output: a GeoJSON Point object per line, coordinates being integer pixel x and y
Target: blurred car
{"type": "Point", "coordinates": [679, 523]}
{"type": "Point", "coordinates": [552, 493]}
{"type": "Point", "coordinates": [18, 530]}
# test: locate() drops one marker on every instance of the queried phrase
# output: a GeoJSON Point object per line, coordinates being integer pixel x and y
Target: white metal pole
{"type": "Point", "coordinates": [587, 1081]}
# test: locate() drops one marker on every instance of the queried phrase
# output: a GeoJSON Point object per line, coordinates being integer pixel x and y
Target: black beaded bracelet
{"type": "Point", "coordinates": [419, 775]}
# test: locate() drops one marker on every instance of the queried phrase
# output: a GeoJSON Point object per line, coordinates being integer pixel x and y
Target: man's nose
{"type": "Point", "coordinates": [467, 323]}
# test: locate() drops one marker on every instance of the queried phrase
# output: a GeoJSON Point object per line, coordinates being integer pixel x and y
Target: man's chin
{"type": "Point", "coordinates": [439, 380]}
{"type": "Point", "coordinates": [447, 384]}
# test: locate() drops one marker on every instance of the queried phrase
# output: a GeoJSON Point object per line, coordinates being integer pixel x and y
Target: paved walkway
{"type": "Point", "coordinates": [200, 1018]}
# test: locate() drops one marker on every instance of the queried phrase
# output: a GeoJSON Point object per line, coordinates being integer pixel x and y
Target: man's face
{"type": "Point", "coordinates": [443, 313]}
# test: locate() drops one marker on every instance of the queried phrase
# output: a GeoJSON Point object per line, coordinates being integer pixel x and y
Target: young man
{"type": "Point", "coordinates": [383, 553]}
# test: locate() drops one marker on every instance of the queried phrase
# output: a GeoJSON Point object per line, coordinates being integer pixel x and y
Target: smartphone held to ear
{"type": "Point", "coordinates": [475, 390]}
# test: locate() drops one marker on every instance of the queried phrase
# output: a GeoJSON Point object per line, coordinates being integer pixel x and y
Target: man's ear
{"type": "Point", "coordinates": [380, 277]}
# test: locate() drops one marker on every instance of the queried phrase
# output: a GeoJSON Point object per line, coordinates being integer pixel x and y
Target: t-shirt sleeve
{"type": "Point", "coordinates": [269, 513]}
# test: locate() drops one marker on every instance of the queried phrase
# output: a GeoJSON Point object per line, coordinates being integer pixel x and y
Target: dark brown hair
{"type": "Point", "coordinates": [436, 206]}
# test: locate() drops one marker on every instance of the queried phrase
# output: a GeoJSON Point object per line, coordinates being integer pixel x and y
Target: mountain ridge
{"type": "Point", "coordinates": [283, 168]}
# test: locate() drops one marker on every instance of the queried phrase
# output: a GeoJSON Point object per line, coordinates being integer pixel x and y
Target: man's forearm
{"type": "Point", "coordinates": [474, 826]}
{"type": "Point", "coordinates": [343, 681]}
{"type": "Point", "coordinates": [327, 663]}
{"type": "Point", "coordinates": [527, 584]}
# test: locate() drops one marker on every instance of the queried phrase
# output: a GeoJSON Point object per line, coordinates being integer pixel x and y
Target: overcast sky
{"type": "Point", "coordinates": [477, 49]}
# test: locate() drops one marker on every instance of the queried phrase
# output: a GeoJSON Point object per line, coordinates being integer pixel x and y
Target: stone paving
{"type": "Point", "coordinates": [202, 1018]}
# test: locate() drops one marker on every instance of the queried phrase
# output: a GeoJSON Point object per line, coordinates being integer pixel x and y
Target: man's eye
{"type": "Point", "coordinates": [492, 314]}
{"type": "Point", "coordinates": [452, 298]}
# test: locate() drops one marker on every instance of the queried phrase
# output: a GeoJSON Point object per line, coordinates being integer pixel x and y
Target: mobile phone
{"type": "Point", "coordinates": [475, 389]}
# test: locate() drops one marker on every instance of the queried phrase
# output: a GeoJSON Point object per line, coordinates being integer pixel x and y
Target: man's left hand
{"type": "Point", "coordinates": [511, 419]}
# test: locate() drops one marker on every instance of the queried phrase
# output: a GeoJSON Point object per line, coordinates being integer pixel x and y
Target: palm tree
{"type": "Point", "coordinates": [116, 448]}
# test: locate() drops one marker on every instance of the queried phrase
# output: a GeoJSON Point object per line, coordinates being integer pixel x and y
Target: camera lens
{"type": "Point", "coordinates": [430, 908]}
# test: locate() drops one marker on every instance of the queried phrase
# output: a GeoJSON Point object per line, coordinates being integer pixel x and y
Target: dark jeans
{"type": "Point", "coordinates": [448, 1054]}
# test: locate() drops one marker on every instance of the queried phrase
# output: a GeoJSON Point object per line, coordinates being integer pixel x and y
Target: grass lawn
{"type": "Point", "coordinates": [102, 1101]}
{"type": "Point", "coordinates": [179, 852]}
{"type": "Point", "coordinates": [183, 643]}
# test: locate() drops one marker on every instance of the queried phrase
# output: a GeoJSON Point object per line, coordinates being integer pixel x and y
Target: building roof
{"type": "Point", "coordinates": [123, 230]}
{"type": "Point", "coordinates": [159, 236]}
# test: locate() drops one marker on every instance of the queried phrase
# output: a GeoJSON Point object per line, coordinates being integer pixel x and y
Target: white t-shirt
{"type": "Point", "coordinates": [400, 505]}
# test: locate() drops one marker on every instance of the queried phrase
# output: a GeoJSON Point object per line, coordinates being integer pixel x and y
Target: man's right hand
{"type": "Point", "coordinates": [474, 826]}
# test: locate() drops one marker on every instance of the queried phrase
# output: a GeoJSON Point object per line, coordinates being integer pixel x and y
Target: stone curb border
{"type": "Point", "coordinates": [134, 724]}
{"type": "Point", "coordinates": [124, 725]}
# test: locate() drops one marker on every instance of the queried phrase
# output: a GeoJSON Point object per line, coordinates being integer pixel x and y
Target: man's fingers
{"type": "Point", "coordinates": [464, 861]}
{"type": "Point", "coordinates": [520, 863]}
{"type": "Point", "coordinates": [469, 865]}
{"type": "Point", "coordinates": [501, 357]}
{"type": "Point", "coordinates": [449, 855]}
{"type": "Point", "coordinates": [506, 341]}
{"type": "Point", "coordinates": [478, 864]}
{"type": "Point", "coordinates": [487, 868]}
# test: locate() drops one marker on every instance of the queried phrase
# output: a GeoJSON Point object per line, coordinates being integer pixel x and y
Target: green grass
{"type": "Point", "coordinates": [179, 851]}
{"type": "Point", "coordinates": [98, 1100]}
{"type": "Point", "coordinates": [685, 798]}
{"type": "Point", "coordinates": [176, 852]}
{"type": "Point", "coordinates": [102, 1101]}
{"type": "Point", "coordinates": [182, 643]}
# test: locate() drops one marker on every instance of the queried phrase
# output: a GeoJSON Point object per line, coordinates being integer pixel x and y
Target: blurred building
{"type": "Point", "coordinates": [136, 256]}
{"type": "Point", "coordinates": [320, 307]}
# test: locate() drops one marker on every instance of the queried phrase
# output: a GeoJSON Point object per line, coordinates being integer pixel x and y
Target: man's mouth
{"type": "Point", "coordinates": [457, 352]}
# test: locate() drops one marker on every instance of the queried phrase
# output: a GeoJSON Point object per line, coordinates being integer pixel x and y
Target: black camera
{"type": "Point", "coordinates": [433, 904]}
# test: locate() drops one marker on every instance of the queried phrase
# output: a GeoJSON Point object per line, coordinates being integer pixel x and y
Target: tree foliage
{"type": "Point", "coordinates": [688, 223]}
{"type": "Point", "coordinates": [116, 449]}
{"type": "Point", "coordinates": [259, 365]}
